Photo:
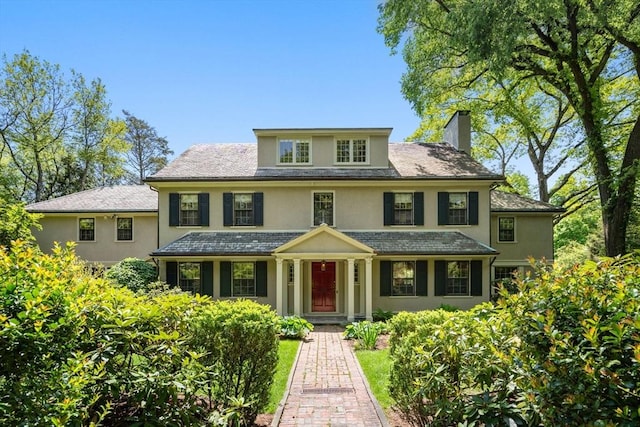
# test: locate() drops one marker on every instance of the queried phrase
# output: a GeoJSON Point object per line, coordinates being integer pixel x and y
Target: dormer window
{"type": "Point", "coordinates": [294, 151]}
{"type": "Point", "coordinates": [350, 151]}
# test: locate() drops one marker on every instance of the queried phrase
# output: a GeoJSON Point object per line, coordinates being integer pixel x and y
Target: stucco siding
{"type": "Point", "coordinates": [533, 237]}
{"type": "Point", "coordinates": [105, 249]}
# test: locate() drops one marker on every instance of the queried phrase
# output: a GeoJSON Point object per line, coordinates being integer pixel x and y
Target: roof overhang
{"type": "Point", "coordinates": [322, 131]}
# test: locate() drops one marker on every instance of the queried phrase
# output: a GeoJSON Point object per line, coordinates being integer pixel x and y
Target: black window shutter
{"type": "Point", "coordinates": [258, 203]}
{"type": "Point", "coordinates": [227, 207]}
{"type": "Point", "coordinates": [172, 273]}
{"type": "Point", "coordinates": [385, 278]}
{"type": "Point", "coordinates": [203, 208]}
{"type": "Point", "coordinates": [174, 209]}
{"type": "Point", "coordinates": [388, 208]}
{"type": "Point", "coordinates": [473, 208]}
{"type": "Point", "coordinates": [443, 208]}
{"type": "Point", "coordinates": [206, 271]}
{"type": "Point", "coordinates": [441, 278]}
{"type": "Point", "coordinates": [418, 208]}
{"type": "Point", "coordinates": [476, 278]}
{"type": "Point", "coordinates": [261, 278]}
{"type": "Point", "coordinates": [225, 279]}
{"type": "Point", "coordinates": [421, 278]}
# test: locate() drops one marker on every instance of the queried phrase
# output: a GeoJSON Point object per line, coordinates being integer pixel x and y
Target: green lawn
{"type": "Point", "coordinates": [287, 351]}
{"type": "Point", "coordinates": [375, 365]}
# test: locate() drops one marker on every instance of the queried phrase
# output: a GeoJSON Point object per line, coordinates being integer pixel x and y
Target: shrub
{"type": "Point", "coordinates": [365, 332]}
{"type": "Point", "coordinates": [294, 327]}
{"type": "Point", "coordinates": [240, 342]}
{"type": "Point", "coordinates": [380, 315]}
{"type": "Point", "coordinates": [133, 273]}
{"type": "Point", "coordinates": [446, 369]}
{"type": "Point", "coordinates": [580, 332]}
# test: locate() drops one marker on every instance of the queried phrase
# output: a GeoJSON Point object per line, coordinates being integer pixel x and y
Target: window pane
{"type": "Point", "coordinates": [342, 151]}
{"type": "Point", "coordinates": [189, 209]}
{"type": "Point", "coordinates": [323, 208]}
{"type": "Point", "coordinates": [125, 228]}
{"type": "Point", "coordinates": [243, 279]}
{"type": "Point", "coordinates": [458, 278]}
{"type": "Point", "coordinates": [302, 152]}
{"type": "Point", "coordinates": [189, 279]}
{"type": "Point", "coordinates": [286, 151]}
{"type": "Point", "coordinates": [457, 208]}
{"type": "Point", "coordinates": [403, 208]}
{"type": "Point", "coordinates": [403, 278]}
{"type": "Point", "coordinates": [506, 229]}
{"type": "Point", "coordinates": [87, 229]}
{"type": "Point", "coordinates": [243, 209]}
{"type": "Point", "coordinates": [359, 150]}
{"type": "Point", "coordinates": [501, 273]}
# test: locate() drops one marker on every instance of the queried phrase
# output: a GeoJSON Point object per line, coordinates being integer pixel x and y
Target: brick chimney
{"type": "Point", "coordinates": [457, 131]}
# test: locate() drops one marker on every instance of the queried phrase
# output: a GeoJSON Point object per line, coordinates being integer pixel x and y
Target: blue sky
{"type": "Point", "coordinates": [211, 71]}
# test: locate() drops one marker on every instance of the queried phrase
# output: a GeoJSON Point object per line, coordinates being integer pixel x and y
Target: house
{"type": "Point", "coordinates": [339, 222]}
{"type": "Point", "coordinates": [316, 222]}
{"type": "Point", "coordinates": [108, 224]}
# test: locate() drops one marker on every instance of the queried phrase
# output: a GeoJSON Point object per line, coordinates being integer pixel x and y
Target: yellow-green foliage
{"type": "Point", "coordinates": [240, 342]}
{"type": "Point", "coordinates": [75, 349]}
{"type": "Point", "coordinates": [563, 350]}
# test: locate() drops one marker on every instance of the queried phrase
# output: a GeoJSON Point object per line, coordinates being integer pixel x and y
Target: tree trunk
{"type": "Point", "coordinates": [618, 210]}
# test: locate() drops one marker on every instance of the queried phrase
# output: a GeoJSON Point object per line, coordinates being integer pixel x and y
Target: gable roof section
{"type": "Point", "coordinates": [502, 201]}
{"type": "Point", "coordinates": [323, 229]}
{"type": "Point", "coordinates": [232, 162]}
{"type": "Point", "coordinates": [117, 198]}
{"type": "Point", "coordinates": [262, 243]}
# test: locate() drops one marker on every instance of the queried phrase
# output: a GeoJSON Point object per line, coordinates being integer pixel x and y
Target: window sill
{"type": "Point", "coordinates": [242, 226]}
{"type": "Point", "coordinates": [507, 241]}
{"type": "Point", "coordinates": [459, 296]}
{"type": "Point", "coordinates": [86, 241]}
{"type": "Point", "coordinates": [403, 225]}
{"type": "Point", "coordinates": [124, 241]}
{"type": "Point", "coordinates": [188, 226]}
{"type": "Point", "coordinates": [406, 296]}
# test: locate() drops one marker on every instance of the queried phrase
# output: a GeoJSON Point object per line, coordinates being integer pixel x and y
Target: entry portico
{"type": "Point", "coordinates": [333, 262]}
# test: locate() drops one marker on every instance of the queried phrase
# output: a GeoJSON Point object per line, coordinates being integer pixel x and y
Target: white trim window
{"type": "Point", "coordinates": [352, 151]}
{"type": "Point", "coordinates": [189, 209]}
{"type": "Point", "coordinates": [294, 151]}
{"type": "Point", "coordinates": [189, 277]}
{"type": "Point", "coordinates": [404, 273]}
{"type": "Point", "coordinates": [86, 229]}
{"type": "Point", "coordinates": [244, 279]}
{"type": "Point", "coordinates": [323, 208]}
{"type": "Point", "coordinates": [458, 275]}
{"type": "Point", "coordinates": [506, 229]}
{"type": "Point", "coordinates": [124, 229]}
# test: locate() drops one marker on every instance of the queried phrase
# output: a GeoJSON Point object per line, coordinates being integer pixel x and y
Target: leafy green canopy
{"type": "Point", "coordinates": [587, 53]}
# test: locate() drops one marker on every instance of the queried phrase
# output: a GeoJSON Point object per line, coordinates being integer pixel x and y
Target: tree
{"type": "Point", "coordinates": [56, 134]}
{"type": "Point", "coordinates": [16, 223]}
{"type": "Point", "coordinates": [97, 140]}
{"type": "Point", "coordinates": [583, 50]}
{"type": "Point", "coordinates": [34, 109]}
{"type": "Point", "coordinates": [149, 152]}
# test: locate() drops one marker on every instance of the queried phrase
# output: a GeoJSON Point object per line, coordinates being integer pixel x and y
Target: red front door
{"type": "Point", "coordinates": [323, 286]}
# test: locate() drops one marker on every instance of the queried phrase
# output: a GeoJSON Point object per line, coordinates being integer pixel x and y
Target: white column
{"type": "Point", "coordinates": [279, 286]}
{"type": "Point", "coordinates": [350, 291]}
{"type": "Point", "coordinates": [297, 293]}
{"type": "Point", "coordinates": [368, 311]}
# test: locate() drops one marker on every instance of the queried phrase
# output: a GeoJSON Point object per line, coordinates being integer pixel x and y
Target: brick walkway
{"type": "Point", "coordinates": [327, 386]}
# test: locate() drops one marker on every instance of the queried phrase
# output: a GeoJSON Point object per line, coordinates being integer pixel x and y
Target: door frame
{"type": "Point", "coordinates": [335, 281]}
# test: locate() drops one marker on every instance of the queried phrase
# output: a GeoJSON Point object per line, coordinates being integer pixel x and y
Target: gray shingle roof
{"type": "Point", "coordinates": [117, 198]}
{"type": "Point", "coordinates": [509, 202]}
{"type": "Point", "coordinates": [228, 162]}
{"type": "Point", "coordinates": [261, 243]}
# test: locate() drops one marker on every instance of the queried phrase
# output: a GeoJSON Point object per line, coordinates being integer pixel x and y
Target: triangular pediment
{"type": "Point", "coordinates": [323, 239]}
